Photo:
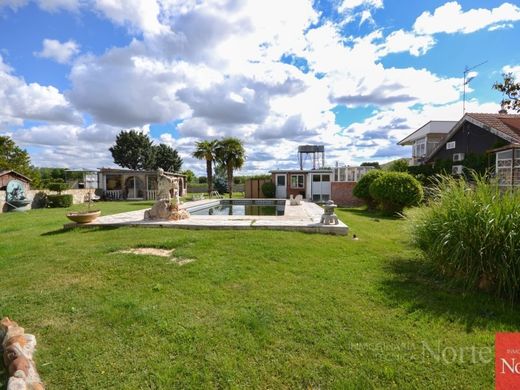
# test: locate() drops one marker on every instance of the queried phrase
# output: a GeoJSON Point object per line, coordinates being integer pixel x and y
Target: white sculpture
{"type": "Point", "coordinates": [166, 207]}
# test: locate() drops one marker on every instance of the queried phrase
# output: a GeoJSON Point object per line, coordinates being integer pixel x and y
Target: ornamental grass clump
{"type": "Point", "coordinates": [471, 231]}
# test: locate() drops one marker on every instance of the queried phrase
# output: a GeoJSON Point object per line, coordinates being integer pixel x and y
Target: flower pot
{"type": "Point", "coordinates": [84, 217]}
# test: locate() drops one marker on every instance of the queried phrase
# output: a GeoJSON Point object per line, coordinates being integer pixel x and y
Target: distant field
{"type": "Point", "coordinates": [262, 309]}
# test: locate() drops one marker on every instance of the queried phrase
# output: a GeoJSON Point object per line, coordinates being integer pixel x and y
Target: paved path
{"type": "Point", "coordinates": [305, 217]}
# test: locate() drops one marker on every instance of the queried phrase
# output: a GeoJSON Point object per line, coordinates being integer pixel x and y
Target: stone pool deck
{"type": "Point", "coordinates": [305, 217]}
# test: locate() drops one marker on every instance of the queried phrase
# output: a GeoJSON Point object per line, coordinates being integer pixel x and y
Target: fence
{"type": "Point", "coordinates": [253, 188]}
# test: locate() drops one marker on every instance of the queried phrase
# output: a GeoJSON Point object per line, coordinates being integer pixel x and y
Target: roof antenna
{"type": "Point", "coordinates": [467, 81]}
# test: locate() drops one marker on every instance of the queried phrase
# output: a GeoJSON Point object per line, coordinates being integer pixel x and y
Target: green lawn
{"type": "Point", "coordinates": [260, 309]}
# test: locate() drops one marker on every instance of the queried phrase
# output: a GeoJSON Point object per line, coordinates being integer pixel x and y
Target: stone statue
{"type": "Point", "coordinates": [164, 184]}
{"type": "Point", "coordinates": [166, 207]}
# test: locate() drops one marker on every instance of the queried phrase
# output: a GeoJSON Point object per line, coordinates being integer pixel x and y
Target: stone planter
{"type": "Point", "coordinates": [84, 217]}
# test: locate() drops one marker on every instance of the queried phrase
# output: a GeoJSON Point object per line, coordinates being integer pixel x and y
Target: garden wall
{"type": "Point", "coordinates": [341, 194]}
{"type": "Point", "coordinates": [78, 196]}
{"type": "Point", "coordinates": [2, 201]}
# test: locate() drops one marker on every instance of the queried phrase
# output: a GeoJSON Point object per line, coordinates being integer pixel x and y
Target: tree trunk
{"type": "Point", "coordinates": [209, 174]}
{"type": "Point", "coordinates": [230, 180]}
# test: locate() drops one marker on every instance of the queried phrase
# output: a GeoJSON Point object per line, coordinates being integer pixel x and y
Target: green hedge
{"type": "Point", "coordinates": [396, 190]}
{"type": "Point", "coordinates": [361, 190]}
{"type": "Point", "coordinates": [54, 201]}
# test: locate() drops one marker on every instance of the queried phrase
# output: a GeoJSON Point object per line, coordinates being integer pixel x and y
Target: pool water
{"type": "Point", "coordinates": [240, 209]}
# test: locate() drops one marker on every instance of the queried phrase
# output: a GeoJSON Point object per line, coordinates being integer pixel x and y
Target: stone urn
{"type": "Point", "coordinates": [84, 216]}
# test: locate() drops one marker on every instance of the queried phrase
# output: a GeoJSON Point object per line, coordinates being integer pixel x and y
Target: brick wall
{"type": "Point", "coordinates": [341, 194]}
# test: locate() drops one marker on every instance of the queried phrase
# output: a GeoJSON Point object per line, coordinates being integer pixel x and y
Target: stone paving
{"type": "Point", "coordinates": [304, 217]}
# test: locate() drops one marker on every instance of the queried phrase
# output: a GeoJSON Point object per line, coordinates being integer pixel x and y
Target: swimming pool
{"type": "Point", "coordinates": [257, 207]}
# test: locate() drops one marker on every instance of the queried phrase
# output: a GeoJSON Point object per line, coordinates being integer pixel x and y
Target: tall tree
{"type": "Point", "coordinates": [12, 157]}
{"type": "Point", "coordinates": [511, 90]}
{"type": "Point", "coordinates": [205, 150]}
{"type": "Point", "coordinates": [133, 149]}
{"type": "Point", "coordinates": [190, 176]}
{"type": "Point", "coordinates": [231, 155]}
{"type": "Point", "coordinates": [167, 158]}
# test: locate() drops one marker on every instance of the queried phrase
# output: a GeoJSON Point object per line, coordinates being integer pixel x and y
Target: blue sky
{"type": "Point", "coordinates": [354, 75]}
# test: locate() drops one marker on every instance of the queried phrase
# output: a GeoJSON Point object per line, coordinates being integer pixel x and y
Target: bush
{"type": "Point", "coordinates": [269, 189]}
{"type": "Point", "coordinates": [220, 184]}
{"type": "Point", "coordinates": [400, 165]}
{"type": "Point", "coordinates": [470, 231]}
{"type": "Point", "coordinates": [361, 190]}
{"type": "Point", "coordinates": [40, 200]}
{"type": "Point", "coordinates": [58, 186]}
{"type": "Point", "coordinates": [54, 201]}
{"type": "Point", "coordinates": [395, 191]}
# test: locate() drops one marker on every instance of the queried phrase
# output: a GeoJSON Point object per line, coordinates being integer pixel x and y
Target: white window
{"type": "Point", "coordinates": [450, 145]}
{"type": "Point", "coordinates": [420, 148]}
{"type": "Point", "coordinates": [296, 181]}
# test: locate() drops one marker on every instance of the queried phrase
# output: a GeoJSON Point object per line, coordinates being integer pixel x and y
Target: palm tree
{"type": "Point", "coordinates": [206, 151]}
{"type": "Point", "coordinates": [231, 155]}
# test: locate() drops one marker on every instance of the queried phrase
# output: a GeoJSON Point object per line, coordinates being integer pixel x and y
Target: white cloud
{"type": "Point", "coordinates": [502, 26]}
{"type": "Point", "coordinates": [46, 5]}
{"type": "Point", "coordinates": [450, 18]}
{"type": "Point", "coordinates": [402, 41]}
{"type": "Point", "coordinates": [19, 101]}
{"type": "Point", "coordinates": [347, 5]}
{"type": "Point", "coordinates": [214, 68]}
{"type": "Point", "coordinates": [54, 5]}
{"type": "Point", "coordinates": [512, 69]}
{"type": "Point", "coordinates": [57, 51]}
{"type": "Point", "coordinates": [138, 14]}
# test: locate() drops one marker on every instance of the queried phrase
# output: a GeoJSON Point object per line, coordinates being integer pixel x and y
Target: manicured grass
{"type": "Point", "coordinates": [258, 309]}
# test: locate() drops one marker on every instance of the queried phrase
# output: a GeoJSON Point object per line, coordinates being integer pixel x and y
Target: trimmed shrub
{"type": "Point", "coordinates": [362, 188]}
{"type": "Point", "coordinates": [269, 189]}
{"type": "Point", "coordinates": [470, 232]}
{"type": "Point", "coordinates": [54, 201]}
{"type": "Point", "coordinates": [58, 187]}
{"type": "Point", "coordinates": [400, 165]}
{"type": "Point", "coordinates": [395, 191]}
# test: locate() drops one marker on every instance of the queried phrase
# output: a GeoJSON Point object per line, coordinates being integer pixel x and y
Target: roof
{"type": "Point", "coordinates": [2, 173]}
{"type": "Point", "coordinates": [127, 171]}
{"type": "Point", "coordinates": [506, 147]}
{"type": "Point", "coordinates": [505, 123]}
{"type": "Point", "coordinates": [505, 126]}
{"type": "Point", "coordinates": [432, 127]}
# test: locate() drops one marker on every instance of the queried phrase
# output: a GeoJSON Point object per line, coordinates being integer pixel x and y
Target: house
{"type": "Point", "coordinates": [321, 184]}
{"type": "Point", "coordinates": [89, 178]}
{"type": "Point", "coordinates": [476, 133]}
{"type": "Point", "coordinates": [133, 185]}
{"type": "Point", "coordinates": [426, 138]}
